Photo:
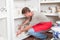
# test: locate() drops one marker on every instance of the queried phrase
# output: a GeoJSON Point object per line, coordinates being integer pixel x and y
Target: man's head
{"type": "Point", "coordinates": [27, 12]}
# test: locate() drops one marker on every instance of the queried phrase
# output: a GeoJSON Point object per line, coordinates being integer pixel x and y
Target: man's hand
{"type": "Point", "coordinates": [19, 32]}
{"type": "Point", "coordinates": [19, 27]}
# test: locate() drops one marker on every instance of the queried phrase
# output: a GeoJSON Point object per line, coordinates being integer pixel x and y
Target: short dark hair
{"type": "Point", "coordinates": [25, 9]}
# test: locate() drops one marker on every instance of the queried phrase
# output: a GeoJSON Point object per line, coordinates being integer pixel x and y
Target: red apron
{"type": "Point", "coordinates": [42, 26]}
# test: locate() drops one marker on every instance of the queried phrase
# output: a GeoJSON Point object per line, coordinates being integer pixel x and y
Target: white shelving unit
{"type": "Point", "coordinates": [3, 20]}
{"type": "Point", "coordinates": [2, 17]}
{"type": "Point", "coordinates": [47, 3]}
{"type": "Point", "coordinates": [47, 7]}
{"type": "Point", "coordinates": [50, 2]}
{"type": "Point", "coordinates": [19, 17]}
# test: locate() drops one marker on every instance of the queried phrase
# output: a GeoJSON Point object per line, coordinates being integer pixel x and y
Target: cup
{"type": "Point", "coordinates": [58, 23]}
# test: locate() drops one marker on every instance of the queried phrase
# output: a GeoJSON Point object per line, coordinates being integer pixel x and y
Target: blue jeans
{"type": "Point", "coordinates": [37, 34]}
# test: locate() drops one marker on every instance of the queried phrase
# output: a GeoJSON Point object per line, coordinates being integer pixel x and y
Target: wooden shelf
{"type": "Point", "coordinates": [42, 2]}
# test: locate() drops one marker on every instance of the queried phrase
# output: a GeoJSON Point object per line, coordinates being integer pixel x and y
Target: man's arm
{"type": "Point", "coordinates": [24, 22]}
{"type": "Point", "coordinates": [23, 30]}
{"type": "Point", "coordinates": [26, 28]}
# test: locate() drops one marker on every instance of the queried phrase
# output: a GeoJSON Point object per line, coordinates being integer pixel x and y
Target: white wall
{"type": "Point", "coordinates": [3, 28]}
{"type": "Point", "coordinates": [2, 7]}
{"type": "Point", "coordinates": [32, 4]}
{"type": "Point", "coordinates": [3, 21]}
{"type": "Point", "coordinates": [18, 6]}
{"type": "Point", "coordinates": [2, 2]}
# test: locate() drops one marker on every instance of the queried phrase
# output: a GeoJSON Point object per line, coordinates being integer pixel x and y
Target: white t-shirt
{"type": "Point", "coordinates": [37, 18]}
